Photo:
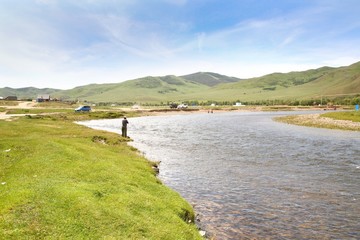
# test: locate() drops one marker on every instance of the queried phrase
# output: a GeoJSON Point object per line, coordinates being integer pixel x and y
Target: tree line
{"type": "Point", "coordinates": [290, 102]}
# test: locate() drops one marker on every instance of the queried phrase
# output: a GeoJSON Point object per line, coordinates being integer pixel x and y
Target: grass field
{"type": "Point", "coordinates": [8, 103]}
{"type": "Point", "coordinates": [59, 180]}
{"type": "Point", "coordinates": [333, 120]}
{"type": "Point", "coordinates": [353, 116]}
{"type": "Point", "coordinates": [35, 110]}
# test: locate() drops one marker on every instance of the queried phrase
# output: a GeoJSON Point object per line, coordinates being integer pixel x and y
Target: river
{"type": "Point", "coordinates": [249, 177]}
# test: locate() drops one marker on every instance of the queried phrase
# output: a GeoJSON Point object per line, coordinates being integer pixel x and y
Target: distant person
{"type": "Point", "coordinates": [125, 122]}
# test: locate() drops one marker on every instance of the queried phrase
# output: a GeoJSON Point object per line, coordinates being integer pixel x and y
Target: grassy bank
{"type": "Point", "coordinates": [353, 116]}
{"type": "Point", "coordinates": [60, 180]}
{"type": "Point", "coordinates": [332, 120]}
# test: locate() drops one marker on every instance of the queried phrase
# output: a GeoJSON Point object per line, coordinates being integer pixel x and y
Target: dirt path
{"type": "Point", "coordinates": [21, 105]}
{"type": "Point", "coordinates": [9, 117]}
{"type": "Point", "coordinates": [3, 116]}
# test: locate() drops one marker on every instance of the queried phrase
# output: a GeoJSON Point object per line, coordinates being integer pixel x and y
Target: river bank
{"type": "Point", "coordinates": [25, 140]}
{"type": "Point", "coordinates": [249, 178]}
{"type": "Point", "coordinates": [62, 180]}
{"type": "Point", "coordinates": [338, 120]}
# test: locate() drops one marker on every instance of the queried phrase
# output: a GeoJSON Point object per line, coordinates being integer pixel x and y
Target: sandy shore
{"type": "Point", "coordinates": [316, 120]}
{"type": "Point", "coordinates": [160, 112]}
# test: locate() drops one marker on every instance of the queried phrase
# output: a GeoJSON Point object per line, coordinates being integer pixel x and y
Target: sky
{"type": "Point", "coordinates": [64, 43]}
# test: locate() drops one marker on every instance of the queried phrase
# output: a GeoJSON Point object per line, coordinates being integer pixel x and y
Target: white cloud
{"type": "Point", "coordinates": [66, 44]}
{"type": "Point", "coordinates": [292, 37]}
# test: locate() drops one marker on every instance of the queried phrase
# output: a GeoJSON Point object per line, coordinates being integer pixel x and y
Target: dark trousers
{"type": "Point", "coordinates": [124, 131]}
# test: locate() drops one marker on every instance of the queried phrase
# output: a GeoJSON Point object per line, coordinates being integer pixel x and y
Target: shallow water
{"type": "Point", "coordinates": [252, 178]}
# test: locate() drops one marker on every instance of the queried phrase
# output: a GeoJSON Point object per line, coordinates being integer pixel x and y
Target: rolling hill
{"type": "Point", "coordinates": [147, 89]}
{"type": "Point", "coordinates": [207, 86]}
{"type": "Point", "coordinates": [26, 93]}
{"type": "Point", "coordinates": [210, 79]}
{"type": "Point", "coordinates": [294, 85]}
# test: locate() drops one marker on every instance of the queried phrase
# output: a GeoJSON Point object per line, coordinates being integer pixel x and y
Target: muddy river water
{"type": "Point", "coordinates": [249, 177]}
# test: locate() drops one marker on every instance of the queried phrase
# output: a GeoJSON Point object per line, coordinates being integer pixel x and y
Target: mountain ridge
{"type": "Point", "coordinates": [202, 86]}
{"type": "Point", "coordinates": [209, 78]}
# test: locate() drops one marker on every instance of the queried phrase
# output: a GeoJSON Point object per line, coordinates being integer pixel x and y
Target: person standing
{"type": "Point", "coordinates": [125, 122]}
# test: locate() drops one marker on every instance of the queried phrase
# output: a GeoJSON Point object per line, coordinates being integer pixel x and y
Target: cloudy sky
{"type": "Point", "coordinates": [66, 43]}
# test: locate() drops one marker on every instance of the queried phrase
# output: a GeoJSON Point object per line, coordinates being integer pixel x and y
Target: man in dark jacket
{"type": "Point", "coordinates": [124, 127]}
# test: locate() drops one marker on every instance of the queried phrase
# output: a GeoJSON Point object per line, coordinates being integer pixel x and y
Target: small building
{"type": "Point", "coordinates": [238, 104]}
{"type": "Point", "coordinates": [43, 98]}
{"type": "Point", "coordinates": [11, 98]}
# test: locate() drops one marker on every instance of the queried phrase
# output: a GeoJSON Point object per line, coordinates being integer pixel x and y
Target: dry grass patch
{"type": "Point", "coordinates": [338, 120]}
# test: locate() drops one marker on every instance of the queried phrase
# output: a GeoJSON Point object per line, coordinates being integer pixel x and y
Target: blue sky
{"type": "Point", "coordinates": [65, 43]}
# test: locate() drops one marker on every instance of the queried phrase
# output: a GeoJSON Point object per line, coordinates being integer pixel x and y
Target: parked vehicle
{"type": "Point", "coordinates": [83, 109]}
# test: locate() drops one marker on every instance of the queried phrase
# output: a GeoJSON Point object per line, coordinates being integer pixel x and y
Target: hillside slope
{"type": "Point", "coordinates": [209, 78]}
{"type": "Point", "coordinates": [206, 86]}
{"type": "Point", "coordinates": [294, 85]}
{"type": "Point", "coordinates": [147, 89]}
{"type": "Point", "coordinates": [23, 93]}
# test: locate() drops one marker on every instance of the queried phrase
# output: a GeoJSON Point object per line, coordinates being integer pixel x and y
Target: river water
{"type": "Point", "coordinates": [250, 177]}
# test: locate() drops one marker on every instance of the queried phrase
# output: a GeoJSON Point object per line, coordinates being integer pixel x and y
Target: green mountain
{"type": "Point", "coordinates": [26, 93]}
{"type": "Point", "coordinates": [309, 84]}
{"type": "Point", "coordinates": [147, 89]}
{"type": "Point", "coordinates": [206, 86]}
{"type": "Point", "coordinates": [209, 78]}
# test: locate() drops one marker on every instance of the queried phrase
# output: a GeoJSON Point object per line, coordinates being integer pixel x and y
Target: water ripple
{"type": "Point", "coordinates": [252, 178]}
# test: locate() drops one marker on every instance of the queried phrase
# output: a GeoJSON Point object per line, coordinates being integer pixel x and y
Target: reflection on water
{"type": "Point", "coordinates": [250, 177]}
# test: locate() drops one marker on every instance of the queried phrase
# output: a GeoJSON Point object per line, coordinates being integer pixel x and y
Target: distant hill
{"type": "Point", "coordinates": [209, 78]}
{"type": "Point", "coordinates": [25, 93]}
{"type": "Point", "coordinates": [294, 85]}
{"type": "Point", "coordinates": [284, 79]}
{"type": "Point", "coordinates": [206, 86]}
{"type": "Point", "coordinates": [147, 89]}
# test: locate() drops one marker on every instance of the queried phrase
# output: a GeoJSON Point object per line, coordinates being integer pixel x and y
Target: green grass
{"type": "Point", "coordinates": [36, 110]}
{"type": "Point", "coordinates": [302, 120]}
{"type": "Point", "coordinates": [59, 180]}
{"type": "Point", "coordinates": [66, 114]}
{"type": "Point", "coordinates": [353, 116]}
{"type": "Point", "coordinates": [57, 105]}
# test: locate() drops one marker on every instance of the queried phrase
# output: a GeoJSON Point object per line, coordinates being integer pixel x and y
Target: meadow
{"type": "Point", "coordinates": [60, 180]}
{"type": "Point", "coordinates": [353, 116]}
